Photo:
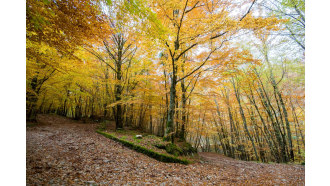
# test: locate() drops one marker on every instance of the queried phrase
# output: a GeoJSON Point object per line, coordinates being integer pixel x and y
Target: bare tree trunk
{"type": "Point", "coordinates": [183, 117]}
{"type": "Point", "coordinates": [150, 119]}
{"type": "Point", "coordinates": [244, 119]}
{"type": "Point", "coordinates": [169, 133]}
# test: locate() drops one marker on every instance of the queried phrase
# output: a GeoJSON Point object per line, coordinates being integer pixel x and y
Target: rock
{"type": "Point", "coordinates": [90, 182]}
{"type": "Point", "coordinates": [138, 136]}
{"type": "Point", "coordinates": [106, 161]}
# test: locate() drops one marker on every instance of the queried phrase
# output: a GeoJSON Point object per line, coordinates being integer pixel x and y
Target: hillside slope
{"type": "Point", "coordinates": [63, 151]}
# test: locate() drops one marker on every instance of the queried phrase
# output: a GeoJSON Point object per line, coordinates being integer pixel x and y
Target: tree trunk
{"type": "Point", "coordinates": [183, 117]}
{"type": "Point", "coordinates": [244, 119]}
{"type": "Point", "coordinates": [169, 133]}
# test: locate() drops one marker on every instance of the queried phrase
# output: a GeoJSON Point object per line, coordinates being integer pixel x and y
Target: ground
{"type": "Point", "coordinates": [66, 152]}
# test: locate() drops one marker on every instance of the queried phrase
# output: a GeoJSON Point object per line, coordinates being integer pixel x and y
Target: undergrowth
{"type": "Point", "coordinates": [156, 155]}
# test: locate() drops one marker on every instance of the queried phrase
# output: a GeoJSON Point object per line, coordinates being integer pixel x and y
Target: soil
{"type": "Point", "coordinates": [67, 152]}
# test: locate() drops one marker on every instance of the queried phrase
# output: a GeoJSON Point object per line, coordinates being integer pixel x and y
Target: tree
{"type": "Point", "coordinates": [193, 24]}
{"type": "Point", "coordinates": [57, 27]}
{"type": "Point", "coordinates": [216, 74]}
{"type": "Point", "coordinates": [119, 53]}
{"type": "Point", "coordinates": [294, 12]}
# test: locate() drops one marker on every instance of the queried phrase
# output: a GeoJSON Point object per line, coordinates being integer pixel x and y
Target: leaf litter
{"type": "Point", "coordinates": [66, 152]}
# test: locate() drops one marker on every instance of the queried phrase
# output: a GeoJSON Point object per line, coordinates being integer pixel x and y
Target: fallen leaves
{"type": "Point", "coordinates": [66, 152]}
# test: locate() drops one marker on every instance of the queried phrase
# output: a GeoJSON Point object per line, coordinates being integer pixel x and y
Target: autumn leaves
{"type": "Point", "coordinates": [208, 86]}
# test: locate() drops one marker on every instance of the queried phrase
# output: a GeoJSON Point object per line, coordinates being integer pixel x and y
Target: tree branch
{"type": "Point", "coordinates": [185, 51]}
{"type": "Point", "coordinates": [248, 10]}
{"type": "Point", "coordinates": [195, 6]}
{"type": "Point", "coordinates": [100, 58]}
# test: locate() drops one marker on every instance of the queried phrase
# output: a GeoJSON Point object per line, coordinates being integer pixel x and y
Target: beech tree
{"type": "Point", "coordinates": [192, 24]}
{"type": "Point", "coordinates": [119, 52]}
{"type": "Point", "coordinates": [215, 74]}
{"type": "Point", "coordinates": [294, 12]}
{"type": "Point", "coordinates": [57, 26]}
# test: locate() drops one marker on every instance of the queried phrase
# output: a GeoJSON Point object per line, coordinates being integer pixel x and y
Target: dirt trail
{"type": "Point", "coordinates": [63, 151]}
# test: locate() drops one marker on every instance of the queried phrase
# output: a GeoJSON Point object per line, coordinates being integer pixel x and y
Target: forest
{"type": "Point", "coordinates": [223, 79]}
{"type": "Point", "coordinates": [227, 77]}
{"type": "Point", "coordinates": [224, 76]}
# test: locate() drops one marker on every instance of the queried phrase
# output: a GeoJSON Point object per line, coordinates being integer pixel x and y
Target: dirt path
{"type": "Point", "coordinates": [67, 152]}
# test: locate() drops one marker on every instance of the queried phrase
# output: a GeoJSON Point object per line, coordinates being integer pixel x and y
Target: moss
{"type": "Point", "coordinates": [160, 145]}
{"type": "Point", "coordinates": [123, 137]}
{"type": "Point", "coordinates": [31, 124]}
{"type": "Point", "coordinates": [181, 148]}
{"type": "Point", "coordinates": [137, 140]}
{"type": "Point", "coordinates": [148, 152]}
{"type": "Point", "coordinates": [173, 149]}
{"type": "Point", "coordinates": [102, 126]}
{"type": "Point", "coordinates": [166, 138]}
{"type": "Point", "coordinates": [150, 136]}
{"type": "Point", "coordinates": [187, 148]}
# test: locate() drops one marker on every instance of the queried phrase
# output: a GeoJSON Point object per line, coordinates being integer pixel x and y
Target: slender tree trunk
{"type": "Point", "coordinates": [150, 118]}
{"type": "Point", "coordinates": [297, 122]}
{"type": "Point", "coordinates": [268, 136]}
{"type": "Point", "coordinates": [244, 120]}
{"type": "Point", "coordinates": [169, 133]}
{"type": "Point", "coordinates": [183, 117]}
{"type": "Point", "coordinates": [268, 107]}
{"type": "Point", "coordinates": [118, 92]}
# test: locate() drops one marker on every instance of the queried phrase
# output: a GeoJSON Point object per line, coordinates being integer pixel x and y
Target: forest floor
{"type": "Point", "coordinates": [67, 152]}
